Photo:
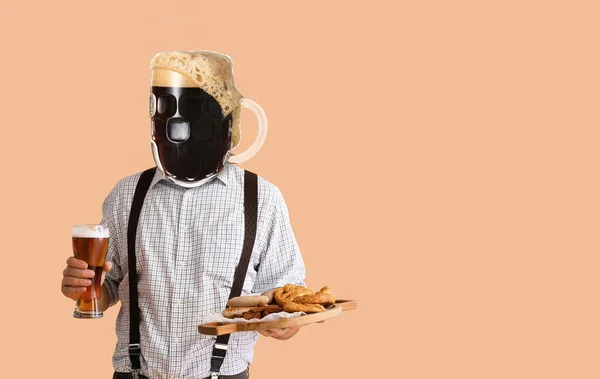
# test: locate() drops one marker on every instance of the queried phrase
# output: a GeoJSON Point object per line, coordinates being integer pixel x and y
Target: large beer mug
{"type": "Point", "coordinates": [90, 244]}
{"type": "Point", "coordinates": [195, 111]}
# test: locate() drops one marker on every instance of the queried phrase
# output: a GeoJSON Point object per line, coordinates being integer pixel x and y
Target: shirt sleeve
{"type": "Point", "coordinates": [115, 275]}
{"type": "Point", "coordinates": [280, 260]}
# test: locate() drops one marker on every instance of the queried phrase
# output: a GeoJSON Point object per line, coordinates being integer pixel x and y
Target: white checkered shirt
{"type": "Point", "coordinates": [189, 242]}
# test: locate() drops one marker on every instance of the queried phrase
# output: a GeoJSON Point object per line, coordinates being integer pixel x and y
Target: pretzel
{"type": "Point", "coordinates": [289, 292]}
{"type": "Point", "coordinates": [323, 297]}
{"type": "Point", "coordinates": [292, 307]}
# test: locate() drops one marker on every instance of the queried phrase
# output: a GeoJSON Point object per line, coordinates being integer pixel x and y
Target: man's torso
{"type": "Point", "coordinates": [188, 244]}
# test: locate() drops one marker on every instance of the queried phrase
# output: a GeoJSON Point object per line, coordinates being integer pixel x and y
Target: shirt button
{"type": "Point", "coordinates": [176, 340]}
{"type": "Point", "coordinates": [179, 302]}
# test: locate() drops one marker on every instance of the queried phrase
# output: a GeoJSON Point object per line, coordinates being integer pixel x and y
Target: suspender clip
{"type": "Point", "coordinates": [214, 375]}
{"type": "Point", "coordinates": [220, 346]}
{"type": "Point", "coordinates": [135, 374]}
{"type": "Point", "coordinates": [134, 349]}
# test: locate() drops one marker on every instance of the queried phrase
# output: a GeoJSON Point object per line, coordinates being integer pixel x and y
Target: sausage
{"type": "Point", "coordinates": [248, 301]}
{"type": "Point", "coordinates": [270, 294]}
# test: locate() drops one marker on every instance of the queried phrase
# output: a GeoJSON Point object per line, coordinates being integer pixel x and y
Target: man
{"type": "Point", "coordinates": [191, 228]}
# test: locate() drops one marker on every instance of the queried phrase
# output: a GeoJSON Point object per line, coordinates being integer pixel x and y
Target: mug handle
{"type": "Point", "coordinates": [260, 136]}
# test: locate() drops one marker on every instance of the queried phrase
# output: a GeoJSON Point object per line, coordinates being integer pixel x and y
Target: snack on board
{"type": "Point", "coordinates": [323, 297]}
{"type": "Point", "coordinates": [250, 315]}
{"type": "Point", "coordinates": [307, 308]}
{"type": "Point", "coordinates": [268, 309]}
{"type": "Point", "coordinates": [251, 312]}
{"type": "Point", "coordinates": [270, 294]}
{"type": "Point", "coordinates": [248, 301]}
{"type": "Point", "coordinates": [289, 298]}
{"type": "Point", "coordinates": [234, 312]}
{"type": "Point", "coordinates": [289, 292]}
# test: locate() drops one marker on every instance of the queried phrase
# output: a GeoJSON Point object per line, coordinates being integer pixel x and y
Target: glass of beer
{"type": "Point", "coordinates": [90, 244]}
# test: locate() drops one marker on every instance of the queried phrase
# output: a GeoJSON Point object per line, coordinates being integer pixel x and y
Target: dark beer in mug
{"type": "Point", "coordinates": [90, 244]}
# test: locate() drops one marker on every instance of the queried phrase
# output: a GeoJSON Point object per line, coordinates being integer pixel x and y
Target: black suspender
{"type": "Point", "coordinates": [134, 311]}
{"type": "Point", "coordinates": [250, 220]}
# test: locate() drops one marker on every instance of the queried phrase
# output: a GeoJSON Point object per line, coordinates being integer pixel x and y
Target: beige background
{"type": "Point", "coordinates": [439, 160]}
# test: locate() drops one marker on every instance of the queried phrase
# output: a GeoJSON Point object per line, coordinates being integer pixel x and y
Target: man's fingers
{"type": "Point", "coordinates": [76, 263]}
{"type": "Point", "coordinates": [107, 266]}
{"type": "Point", "coordinates": [290, 332]}
{"type": "Point", "coordinates": [76, 277]}
{"type": "Point", "coordinates": [285, 333]}
{"type": "Point", "coordinates": [282, 332]}
{"type": "Point", "coordinates": [72, 292]}
{"type": "Point", "coordinates": [67, 290]}
{"type": "Point", "coordinates": [78, 273]}
{"type": "Point", "coordinates": [76, 282]}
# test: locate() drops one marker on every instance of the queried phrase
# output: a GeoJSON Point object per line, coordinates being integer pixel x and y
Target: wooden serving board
{"type": "Point", "coordinates": [219, 328]}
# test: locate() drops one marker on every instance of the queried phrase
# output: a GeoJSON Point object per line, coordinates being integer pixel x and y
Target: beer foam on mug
{"type": "Point", "coordinates": [84, 231]}
{"type": "Point", "coordinates": [212, 72]}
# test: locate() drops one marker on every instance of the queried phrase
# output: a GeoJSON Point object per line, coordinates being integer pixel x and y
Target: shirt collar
{"type": "Point", "coordinates": [221, 176]}
{"type": "Point", "coordinates": [224, 174]}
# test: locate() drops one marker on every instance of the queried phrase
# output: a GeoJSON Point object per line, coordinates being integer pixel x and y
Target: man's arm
{"type": "Point", "coordinates": [280, 259]}
{"type": "Point", "coordinates": [110, 218]}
